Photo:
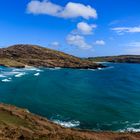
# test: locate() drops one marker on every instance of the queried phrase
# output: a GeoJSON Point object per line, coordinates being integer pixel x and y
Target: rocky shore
{"type": "Point", "coordinates": [20, 124]}
{"type": "Point", "coordinates": [33, 55]}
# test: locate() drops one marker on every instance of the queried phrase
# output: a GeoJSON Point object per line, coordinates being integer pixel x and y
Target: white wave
{"type": "Point", "coordinates": [32, 69]}
{"type": "Point", "coordinates": [16, 70]}
{"type": "Point", "coordinates": [51, 68]}
{"type": "Point", "coordinates": [94, 69]}
{"type": "Point", "coordinates": [68, 124]}
{"type": "Point", "coordinates": [91, 69]}
{"type": "Point", "coordinates": [10, 73]}
{"type": "Point", "coordinates": [27, 68]}
{"type": "Point", "coordinates": [37, 74]}
{"type": "Point", "coordinates": [55, 68]}
{"type": "Point", "coordinates": [102, 62]}
{"type": "Point", "coordinates": [110, 67]}
{"type": "Point", "coordinates": [39, 70]}
{"type": "Point", "coordinates": [20, 74]}
{"type": "Point", "coordinates": [130, 129]}
{"type": "Point", "coordinates": [1, 75]}
{"type": "Point", "coordinates": [87, 69]}
{"type": "Point", "coordinates": [6, 80]}
{"type": "Point", "coordinates": [100, 68]}
{"type": "Point", "coordinates": [135, 124]}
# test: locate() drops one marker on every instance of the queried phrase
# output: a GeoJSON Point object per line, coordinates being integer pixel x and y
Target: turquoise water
{"type": "Point", "coordinates": [105, 99]}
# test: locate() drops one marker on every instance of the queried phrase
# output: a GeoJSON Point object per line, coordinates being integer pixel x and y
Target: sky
{"type": "Point", "coordinates": [84, 28]}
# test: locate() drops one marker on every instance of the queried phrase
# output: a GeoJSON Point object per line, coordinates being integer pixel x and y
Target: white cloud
{"type": "Point", "coordinates": [116, 22]}
{"type": "Point", "coordinates": [44, 7]}
{"type": "Point", "coordinates": [54, 44]}
{"type": "Point", "coordinates": [99, 42]}
{"type": "Point", "coordinates": [122, 30]}
{"type": "Point", "coordinates": [134, 44]}
{"type": "Point", "coordinates": [134, 48]}
{"type": "Point", "coordinates": [85, 28]}
{"type": "Point", "coordinates": [78, 41]}
{"type": "Point", "coordinates": [71, 10]}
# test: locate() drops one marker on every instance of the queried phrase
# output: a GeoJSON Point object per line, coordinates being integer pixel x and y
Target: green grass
{"type": "Point", "coordinates": [7, 118]}
{"type": "Point", "coordinates": [10, 62]}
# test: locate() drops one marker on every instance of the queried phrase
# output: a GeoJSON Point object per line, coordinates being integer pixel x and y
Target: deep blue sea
{"type": "Point", "coordinates": [103, 99]}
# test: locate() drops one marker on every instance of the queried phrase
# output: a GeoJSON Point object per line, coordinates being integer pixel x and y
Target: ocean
{"type": "Point", "coordinates": [103, 99]}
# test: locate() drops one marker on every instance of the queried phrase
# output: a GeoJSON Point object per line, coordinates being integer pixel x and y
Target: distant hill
{"type": "Point", "coordinates": [117, 59]}
{"type": "Point", "coordinates": [33, 55]}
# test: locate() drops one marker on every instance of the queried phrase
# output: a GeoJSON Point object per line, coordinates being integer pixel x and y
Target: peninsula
{"type": "Point", "coordinates": [117, 59]}
{"type": "Point", "coordinates": [33, 55]}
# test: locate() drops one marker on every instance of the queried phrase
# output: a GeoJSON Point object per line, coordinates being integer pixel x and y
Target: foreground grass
{"type": "Point", "coordinates": [19, 124]}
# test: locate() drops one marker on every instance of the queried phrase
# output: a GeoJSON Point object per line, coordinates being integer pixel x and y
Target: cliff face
{"type": "Point", "coordinates": [32, 55]}
{"type": "Point", "coordinates": [19, 124]}
{"type": "Point", "coordinates": [117, 59]}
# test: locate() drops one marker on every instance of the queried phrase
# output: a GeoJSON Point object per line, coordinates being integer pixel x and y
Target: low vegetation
{"type": "Point", "coordinates": [33, 55]}
{"type": "Point", "coordinates": [117, 59]}
{"type": "Point", "coordinates": [19, 124]}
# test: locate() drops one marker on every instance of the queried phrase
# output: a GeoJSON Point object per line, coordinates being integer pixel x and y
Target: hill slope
{"type": "Point", "coordinates": [19, 124]}
{"type": "Point", "coordinates": [33, 55]}
{"type": "Point", "coordinates": [117, 59]}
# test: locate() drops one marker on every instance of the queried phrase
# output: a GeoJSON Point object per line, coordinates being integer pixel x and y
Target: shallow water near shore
{"type": "Point", "coordinates": [104, 99]}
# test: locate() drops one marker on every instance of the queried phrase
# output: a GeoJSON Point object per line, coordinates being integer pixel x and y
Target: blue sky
{"type": "Point", "coordinates": [80, 27]}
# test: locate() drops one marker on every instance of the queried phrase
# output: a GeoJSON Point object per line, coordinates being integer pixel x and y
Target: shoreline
{"type": "Point", "coordinates": [27, 66]}
{"type": "Point", "coordinates": [30, 126]}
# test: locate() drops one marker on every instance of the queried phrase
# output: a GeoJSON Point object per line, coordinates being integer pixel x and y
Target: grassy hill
{"type": "Point", "coordinates": [117, 59]}
{"type": "Point", "coordinates": [33, 55]}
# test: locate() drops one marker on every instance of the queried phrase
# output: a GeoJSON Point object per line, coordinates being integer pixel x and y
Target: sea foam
{"type": "Point", "coordinates": [130, 129]}
{"type": "Point", "coordinates": [20, 74]}
{"type": "Point", "coordinates": [6, 80]}
{"type": "Point", "coordinates": [37, 74]}
{"type": "Point", "coordinates": [32, 69]}
{"type": "Point", "coordinates": [68, 124]}
{"type": "Point", "coordinates": [55, 68]}
{"type": "Point", "coordinates": [1, 75]}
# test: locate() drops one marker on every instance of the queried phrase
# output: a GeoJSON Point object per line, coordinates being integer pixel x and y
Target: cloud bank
{"type": "Point", "coordinates": [134, 48]}
{"type": "Point", "coordinates": [70, 10]}
{"type": "Point", "coordinates": [54, 44]}
{"type": "Point", "coordinates": [123, 30]}
{"type": "Point", "coordinates": [78, 41]}
{"type": "Point", "coordinates": [85, 28]}
{"type": "Point", "coordinates": [99, 42]}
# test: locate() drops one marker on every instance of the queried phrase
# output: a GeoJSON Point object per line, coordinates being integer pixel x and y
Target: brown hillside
{"type": "Point", "coordinates": [33, 55]}
{"type": "Point", "coordinates": [19, 124]}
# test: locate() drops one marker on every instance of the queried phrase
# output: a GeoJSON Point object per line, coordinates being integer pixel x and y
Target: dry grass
{"type": "Point", "coordinates": [10, 63]}
{"type": "Point", "coordinates": [18, 124]}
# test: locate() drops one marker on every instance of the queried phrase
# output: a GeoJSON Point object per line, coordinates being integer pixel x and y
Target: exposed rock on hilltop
{"type": "Point", "coordinates": [33, 55]}
{"type": "Point", "coordinates": [19, 124]}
